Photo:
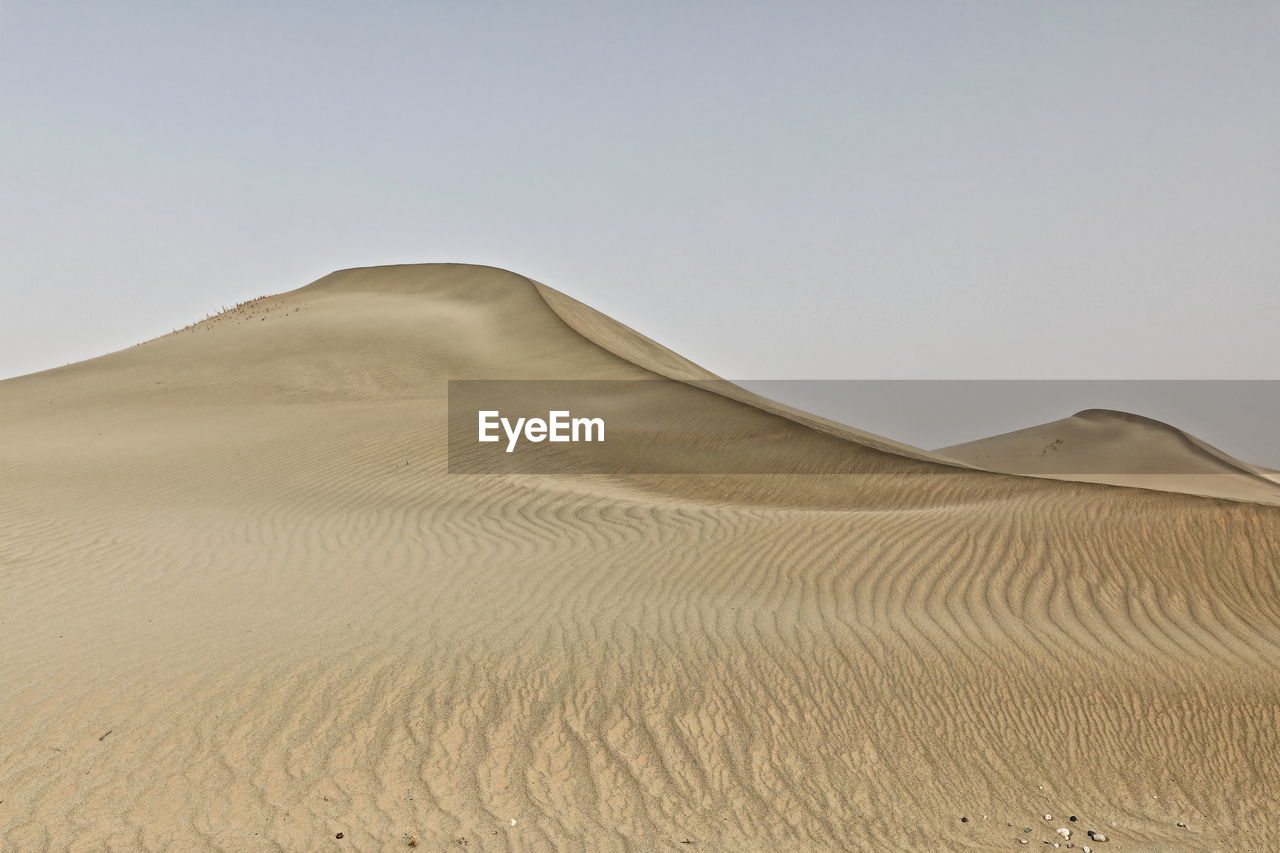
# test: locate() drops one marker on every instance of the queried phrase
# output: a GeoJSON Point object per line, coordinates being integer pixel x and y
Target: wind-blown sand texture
{"type": "Point", "coordinates": [246, 609]}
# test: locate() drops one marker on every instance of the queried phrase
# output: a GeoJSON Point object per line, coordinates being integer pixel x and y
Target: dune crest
{"type": "Point", "coordinates": [247, 608]}
{"type": "Point", "coordinates": [634, 347]}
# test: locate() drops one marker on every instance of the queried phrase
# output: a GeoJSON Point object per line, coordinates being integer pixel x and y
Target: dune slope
{"type": "Point", "coordinates": [1104, 446]}
{"type": "Point", "coordinates": [247, 608]}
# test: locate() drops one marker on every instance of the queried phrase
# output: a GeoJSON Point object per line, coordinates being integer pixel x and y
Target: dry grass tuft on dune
{"type": "Point", "coordinates": [247, 608]}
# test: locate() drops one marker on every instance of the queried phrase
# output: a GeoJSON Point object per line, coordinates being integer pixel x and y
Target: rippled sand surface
{"type": "Point", "coordinates": [245, 608]}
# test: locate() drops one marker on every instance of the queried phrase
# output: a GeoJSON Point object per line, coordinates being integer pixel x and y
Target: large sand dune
{"type": "Point", "coordinates": [246, 608]}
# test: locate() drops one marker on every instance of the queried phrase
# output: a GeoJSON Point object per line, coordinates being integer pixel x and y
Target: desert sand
{"type": "Point", "coordinates": [246, 608]}
{"type": "Point", "coordinates": [1103, 446]}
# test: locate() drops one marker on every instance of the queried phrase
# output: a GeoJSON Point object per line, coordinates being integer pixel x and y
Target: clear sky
{"type": "Point", "coordinates": [776, 190]}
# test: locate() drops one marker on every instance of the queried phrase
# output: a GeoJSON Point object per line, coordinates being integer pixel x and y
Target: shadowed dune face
{"type": "Point", "coordinates": [237, 550]}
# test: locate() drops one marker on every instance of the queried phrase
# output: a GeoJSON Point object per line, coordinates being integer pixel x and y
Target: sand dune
{"type": "Point", "coordinates": [1103, 446]}
{"type": "Point", "coordinates": [247, 608]}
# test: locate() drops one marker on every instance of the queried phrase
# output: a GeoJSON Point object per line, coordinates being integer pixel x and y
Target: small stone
{"type": "Point", "coordinates": [1065, 833]}
{"type": "Point", "coordinates": [1048, 817]}
{"type": "Point", "coordinates": [1099, 836]}
{"type": "Point", "coordinates": [1183, 826]}
{"type": "Point", "coordinates": [1072, 818]}
{"type": "Point", "coordinates": [1022, 841]}
{"type": "Point", "coordinates": [964, 820]}
{"type": "Point", "coordinates": [1087, 849]}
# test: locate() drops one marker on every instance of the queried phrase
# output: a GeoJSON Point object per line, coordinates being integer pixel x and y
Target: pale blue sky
{"type": "Point", "coordinates": [776, 190]}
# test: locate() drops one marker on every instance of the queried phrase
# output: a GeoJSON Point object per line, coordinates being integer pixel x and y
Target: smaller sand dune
{"type": "Point", "coordinates": [1123, 449]}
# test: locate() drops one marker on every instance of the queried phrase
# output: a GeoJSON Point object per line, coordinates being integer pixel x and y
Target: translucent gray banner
{"type": "Point", "coordinates": [1045, 427]}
